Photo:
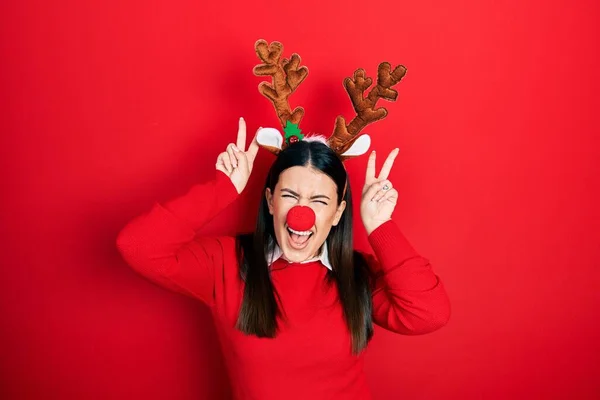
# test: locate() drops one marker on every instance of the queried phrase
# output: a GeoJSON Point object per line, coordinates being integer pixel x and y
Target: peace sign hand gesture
{"type": "Point", "coordinates": [379, 198]}
{"type": "Point", "coordinates": [235, 162]}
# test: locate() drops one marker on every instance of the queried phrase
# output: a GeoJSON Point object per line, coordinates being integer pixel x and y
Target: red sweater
{"type": "Point", "coordinates": [310, 358]}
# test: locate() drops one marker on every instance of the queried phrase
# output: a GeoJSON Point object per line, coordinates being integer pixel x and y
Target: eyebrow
{"type": "Point", "coordinates": [318, 196]}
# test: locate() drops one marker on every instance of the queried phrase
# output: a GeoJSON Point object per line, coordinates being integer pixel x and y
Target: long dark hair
{"type": "Point", "coordinates": [260, 310]}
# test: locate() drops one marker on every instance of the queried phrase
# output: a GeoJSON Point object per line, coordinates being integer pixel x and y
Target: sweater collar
{"type": "Point", "coordinates": [276, 254]}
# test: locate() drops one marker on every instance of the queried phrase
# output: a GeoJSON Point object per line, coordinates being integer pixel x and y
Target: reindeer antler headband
{"type": "Point", "coordinates": [287, 74]}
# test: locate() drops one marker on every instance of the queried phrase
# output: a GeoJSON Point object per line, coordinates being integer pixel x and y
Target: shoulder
{"type": "Point", "coordinates": [233, 248]}
{"type": "Point", "coordinates": [221, 250]}
{"type": "Point", "coordinates": [364, 258]}
{"type": "Point", "coordinates": [217, 244]}
{"type": "Point", "coordinates": [364, 265]}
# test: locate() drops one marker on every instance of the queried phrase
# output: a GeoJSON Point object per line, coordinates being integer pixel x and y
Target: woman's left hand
{"type": "Point", "coordinates": [379, 198]}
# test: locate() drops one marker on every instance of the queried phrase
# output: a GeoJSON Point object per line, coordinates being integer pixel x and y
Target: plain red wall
{"type": "Point", "coordinates": [110, 106]}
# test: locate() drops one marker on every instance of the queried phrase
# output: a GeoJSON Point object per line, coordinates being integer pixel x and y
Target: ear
{"type": "Point", "coordinates": [359, 147]}
{"type": "Point", "coordinates": [269, 197]}
{"type": "Point", "coordinates": [339, 212]}
{"type": "Point", "coordinates": [270, 139]}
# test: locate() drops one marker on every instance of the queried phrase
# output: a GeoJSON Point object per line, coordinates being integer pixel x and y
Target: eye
{"type": "Point", "coordinates": [288, 195]}
{"type": "Point", "coordinates": [319, 201]}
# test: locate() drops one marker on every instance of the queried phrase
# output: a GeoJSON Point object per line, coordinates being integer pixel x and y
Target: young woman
{"type": "Point", "coordinates": [294, 305]}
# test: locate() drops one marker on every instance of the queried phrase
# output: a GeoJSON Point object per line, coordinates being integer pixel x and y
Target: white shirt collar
{"type": "Point", "coordinates": [276, 254]}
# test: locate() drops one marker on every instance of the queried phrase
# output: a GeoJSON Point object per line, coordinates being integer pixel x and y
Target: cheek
{"type": "Point", "coordinates": [325, 216]}
{"type": "Point", "coordinates": [280, 210]}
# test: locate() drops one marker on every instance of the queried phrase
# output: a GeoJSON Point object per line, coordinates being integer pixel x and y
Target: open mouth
{"type": "Point", "coordinates": [299, 239]}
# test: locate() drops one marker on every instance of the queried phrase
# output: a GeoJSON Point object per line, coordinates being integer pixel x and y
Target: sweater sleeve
{"type": "Point", "coordinates": [408, 297]}
{"type": "Point", "coordinates": [162, 244]}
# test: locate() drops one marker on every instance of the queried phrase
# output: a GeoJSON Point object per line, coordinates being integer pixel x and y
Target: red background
{"type": "Point", "coordinates": [108, 107]}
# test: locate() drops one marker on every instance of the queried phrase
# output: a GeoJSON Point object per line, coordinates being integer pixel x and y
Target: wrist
{"type": "Point", "coordinates": [239, 187]}
{"type": "Point", "coordinates": [226, 186]}
{"type": "Point", "coordinates": [371, 226]}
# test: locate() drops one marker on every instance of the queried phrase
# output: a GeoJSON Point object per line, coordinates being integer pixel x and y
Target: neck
{"type": "Point", "coordinates": [317, 254]}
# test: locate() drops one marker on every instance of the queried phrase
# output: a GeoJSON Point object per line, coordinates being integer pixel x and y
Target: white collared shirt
{"type": "Point", "coordinates": [323, 257]}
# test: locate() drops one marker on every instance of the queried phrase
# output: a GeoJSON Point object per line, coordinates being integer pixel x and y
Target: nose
{"type": "Point", "coordinates": [301, 218]}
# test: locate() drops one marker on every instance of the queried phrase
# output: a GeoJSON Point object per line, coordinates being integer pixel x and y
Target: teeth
{"type": "Point", "coordinates": [301, 233]}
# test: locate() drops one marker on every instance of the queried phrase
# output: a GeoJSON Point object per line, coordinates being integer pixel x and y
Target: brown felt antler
{"type": "Point", "coordinates": [344, 135]}
{"type": "Point", "coordinates": [286, 76]}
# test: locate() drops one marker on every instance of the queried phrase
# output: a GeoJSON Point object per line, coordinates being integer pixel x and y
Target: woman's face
{"type": "Point", "coordinates": [310, 187]}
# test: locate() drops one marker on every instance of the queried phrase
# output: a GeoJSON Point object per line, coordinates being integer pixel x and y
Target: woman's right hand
{"type": "Point", "coordinates": [236, 162]}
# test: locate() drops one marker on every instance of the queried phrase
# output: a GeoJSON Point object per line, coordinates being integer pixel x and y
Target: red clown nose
{"type": "Point", "coordinates": [301, 218]}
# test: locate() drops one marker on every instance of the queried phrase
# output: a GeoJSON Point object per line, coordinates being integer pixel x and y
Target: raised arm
{"type": "Point", "coordinates": [162, 244]}
{"type": "Point", "coordinates": [408, 297]}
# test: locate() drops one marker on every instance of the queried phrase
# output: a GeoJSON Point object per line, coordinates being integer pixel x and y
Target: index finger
{"type": "Point", "coordinates": [370, 168]}
{"type": "Point", "coordinates": [241, 136]}
{"type": "Point", "coordinates": [387, 165]}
